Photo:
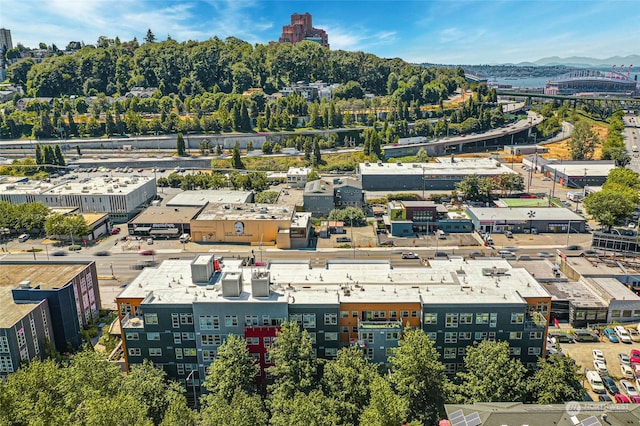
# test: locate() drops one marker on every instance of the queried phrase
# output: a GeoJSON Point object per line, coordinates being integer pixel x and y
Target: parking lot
{"type": "Point", "coordinates": [582, 354]}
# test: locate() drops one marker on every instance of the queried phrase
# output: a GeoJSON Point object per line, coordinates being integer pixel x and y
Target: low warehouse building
{"type": "Point", "coordinates": [526, 219]}
{"type": "Point", "coordinates": [163, 222]}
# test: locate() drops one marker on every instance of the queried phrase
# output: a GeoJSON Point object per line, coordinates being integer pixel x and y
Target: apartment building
{"type": "Point", "coordinates": [43, 302]}
{"type": "Point", "coordinates": [179, 313]}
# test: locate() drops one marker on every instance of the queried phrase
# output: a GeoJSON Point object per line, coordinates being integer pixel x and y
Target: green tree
{"type": "Point", "coordinates": [313, 409]}
{"type": "Point", "coordinates": [491, 374]}
{"type": "Point", "coordinates": [242, 410]}
{"type": "Point", "coordinates": [294, 366]}
{"type": "Point", "coordinates": [267, 147]}
{"type": "Point", "coordinates": [418, 376]}
{"type": "Point", "coordinates": [421, 156]}
{"type": "Point", "coordinates": [58, 157]}
{"type": "Point", "coordinates": [348, 380]}
{"type": "Point", "coordinates": [386, 408]}
{"type": "Point", "coordinates": [509, 182]}
{"type": "Point", "coordinates": [233, 370]}
{"type": "Point", "coordinates": [624, 177]}
{"type": "Point", "coordinates": [150, 37]}
{"type": "Point", "coordinates": [556, 381]}
{"type": "Point", "coordinates": [236, 161]}
{"type": "Point", "coordinates": [350, 215]}
{"type": "Point", "coordinates": [583, 141]}
{"type": "Point", "coordinates": [180, 146]}
{"type": "Point", "coordinates": [610, 207]}
{"type": "Point", "coordinates": [317, 156]}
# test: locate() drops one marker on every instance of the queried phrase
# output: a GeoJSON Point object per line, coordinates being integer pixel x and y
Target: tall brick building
{"type": "Point", "coordinates": [301, 28]}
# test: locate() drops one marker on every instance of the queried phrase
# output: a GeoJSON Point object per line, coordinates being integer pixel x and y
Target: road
{"type": "Point", "coordinates": [632, 138]}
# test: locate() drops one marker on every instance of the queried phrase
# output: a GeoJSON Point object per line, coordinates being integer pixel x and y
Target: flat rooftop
{"type": "Point", "coordinates": [45, 275]}
{"type": "Point", "coordinates": [159, 214]}
{"type": "Point", "coordinates": [455, 281]}
{"type": "Point", "coordinates": [246, 211]}
{"type": "Point", "coordinates": [575, 292]}
{"type": "Point", "coordinates": [444, 167]}
{"type": "Point", "coordinates": [522, 214]}
{"type": "Point", "coordinates": [203, 197]}
{"type": "Point", "coordinates": [578, 170]}
{"type": "Point", "coordinates": [93, 185]}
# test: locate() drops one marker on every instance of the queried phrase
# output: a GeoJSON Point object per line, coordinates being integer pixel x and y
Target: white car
{"type": "Point", "coordinates": [598, 355]}
{"type": "Point", "coordinates": [628, 388]}
{"type": "Point", "coordinates": [624, 359]}
{"type": "Point", "coordinates": [600, 366]}
{"type": "Point", "coordinates": [622, 334]}
{"type": "Point", "coordinates": [627, 371]}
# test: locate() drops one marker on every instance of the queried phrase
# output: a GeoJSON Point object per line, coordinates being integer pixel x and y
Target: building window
{"type": "Point", "coordinates": [367, 337]}
{"type": "Point", "coordinates": [534, 351]}
{"type": "Point", "coordinates": [312, 335]}
{"type": "Point", "coordinates": [176, 338]}
{"type": "Point", "coordinates": [449, 368]}
{"type": "Point", "coordinates": [615, 313]}
{"type": "Point", "coordinates": [296, 318]}
{"type": "Point", "coordinates": [393, 314]}
{"type": "Point", "coordinates": [330, 336]}
{"type": "Point", "coordinates": [482, 318]}
{"type": "Point", "coordinates": [492, 336]}
{"type": "Point", "coordinates": [450, 337]}
{"type": "Point", "coordinates": [131, 336]}
{"type": "Point", "coordinates": [535, 335]}
{"type": "Point", "coordinates": [153, 336]}
{"type": "Point", "coordinates": [207, 340]}
{"type": "Point", "coordinates": [466, 318]}
{"type": "Point", "coordinates": [451, 320]}
{"type": "Point", "coordinates": [480, 335]}
{"type": "Point", "coordinates": [404, 314]}
{"type": "Point", "coordinates": [188, 335]}
{"type": "Point", "coordinates": [268, 341]}
{"type": "Point", "coordinates": [344, 314]}
{"type": "Point", "coordinates": [379, 314]}
{"type": "Point", "coordinates": [515, 351]}
{"type": "Point", "coordinates": [180, 368]}
{"type": "Point", "coordinates": [186, 319]}
{"type": "Point", "coordinates": [414, 314]}
{"type": "Point", "coordinates": [178, 353]}
{"type": "Point", "coordinates": [393, 335]}
{"type": "Point", "coordinates": [155, 351]}
{"type": "Point", "coordinates": [515, 335]}
{"type": "Point", "coordinates": [251, 320]}
{"type": "Point", "coordinates": [175, 320]}
{"type": "Point", "coordinates": [449, 353]}
{"type": "Point", "coordinates": [344, 329]}
{"type": "Point", "coordinates": [332, 352]}
{"type": "Point", "coordinates": [517, 318]}
{"type": "Point", "coordinates": [542, 307]}
{"type": "Point", "coordinates": [464, 335]}
{"type": "Point", "coordinates": [189, 351]}
{"type": "Point", "coordinates": [354, 314]}
{"type": "Point", "coordinates": [462, 351]}
{"type": "Point", "coordinates": [493, 322]}
{"type": "Point", "coordinates": [330, 319]}
{"type": "Point", "coordinates": [309, 321]}
{"type": "Point", "coordinates": [209, 355]}
{"type": "Point", "coordinates": [151, 318]}
{"type": "Point", "coordinates": [134, 351]}
{"type": "Point", "coordinates": [432, 336]}
{"type": "Point", "coordinates": [6, 365]}
{"type": "Point", "coordinates": [231, 321]}
{"type": "Point", "coordinates": [253, 341]}
{"type": "Point", "coordinates": [430, 318]}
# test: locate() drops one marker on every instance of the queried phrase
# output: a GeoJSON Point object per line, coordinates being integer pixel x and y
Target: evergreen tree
{"type": "Point", "coordinates": [180, 146]}
{"type": "Point", "coordinates": [39, 155]}
{"type": "Point", "coordinates": [150, 37]}
{"type": "Point", "coordinates": [317, 156]}
{"type": "Point", "coordinates": [58, 157]}
{"type": "Point", "coordinates": [244, 118]}
{"type": "Point", "coordinates": [236, 161]}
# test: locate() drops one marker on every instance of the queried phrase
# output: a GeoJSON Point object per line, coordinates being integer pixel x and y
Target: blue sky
{"type": "Point", "coordinates": [442, 31]}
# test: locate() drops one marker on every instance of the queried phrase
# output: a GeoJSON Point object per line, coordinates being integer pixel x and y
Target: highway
{"type": "Point", "coordinates": [632, 138]}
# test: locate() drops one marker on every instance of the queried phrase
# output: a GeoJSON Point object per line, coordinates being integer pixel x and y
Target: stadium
{"type": "Point", "coordinates": [594, 82]}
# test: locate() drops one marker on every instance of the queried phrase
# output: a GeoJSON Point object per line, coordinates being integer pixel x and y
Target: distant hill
{"type": "Point", "coordinates": [582, 61]}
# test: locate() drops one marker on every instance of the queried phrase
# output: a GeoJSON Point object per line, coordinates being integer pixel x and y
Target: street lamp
{"type": "Point", "coordinates": [193, 386]}
{"type": "Point", "coordinates": [353, 243]}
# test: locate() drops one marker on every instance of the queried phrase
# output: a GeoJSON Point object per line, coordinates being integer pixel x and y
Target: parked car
{"type": "Point", "coordinates": [24, 237]}
{"type": "Point", "coordinates": [594, 380]}
{"type": "Point", "coordinates": [624, 359]}
{"type": "Point", "coordinates": [627, 387]}
{"type": "Point", "coordinates": [621, 399]}
{"type": "Point", "coordinates": [147, 252]}
{"type": "Point", "coordinates": [598, 355]}
{"type": "Point", "coordinates": [604, 398]}
{"type": "Point", "coordinates": [635, 336]}
{"type": "Point", "coordinates": [627, 371]}
{"type": "Point", "coordinates": [409, 255]}
{"type": "Point", "coordinates": [545, 254]}
{"type": "Point", "coordinates": [610, 385]}
{"type": "Point", "coordinates": [150, 241]}
{"type": "Point", "coordinates": [343, 240]}
{"type": "Point", "coordinates": [585, 336]}
{"type": "Point", "coordinates": [622, 334]}
{"type": "Point", "coordinates": [634, 356]}
{"type": "Point", "coordinates": [562, 337]}
{"type": "Point", "coordinates": [115, 231]}
{"type": "Point", "coordinates": [600, 366]}
{"type": "Point", "coordinates": [611, 335]}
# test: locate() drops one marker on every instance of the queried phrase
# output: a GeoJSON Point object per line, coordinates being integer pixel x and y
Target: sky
{"type": "Point", "coordinates": [433, 31]}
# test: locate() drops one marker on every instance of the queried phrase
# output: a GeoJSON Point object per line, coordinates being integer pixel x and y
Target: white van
{"type": "Point", "coordinates": [185, 238]}
{"type": "Point", "coordinates": [595, 382]}
{"type": "Point", "coordinates": [442, 235]}
{"type": "Point", "coordinates": [24, 237]}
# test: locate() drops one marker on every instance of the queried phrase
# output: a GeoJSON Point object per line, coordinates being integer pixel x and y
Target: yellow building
{"type": "Point", "coordinates": [254, 224]}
